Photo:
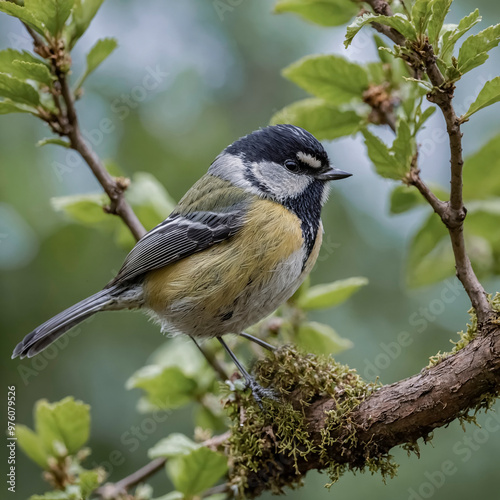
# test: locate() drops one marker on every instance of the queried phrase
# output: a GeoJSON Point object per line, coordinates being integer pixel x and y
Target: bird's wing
{"type": "Point", "coordinates": [179, 236]}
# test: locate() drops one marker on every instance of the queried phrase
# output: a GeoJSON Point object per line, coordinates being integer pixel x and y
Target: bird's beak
{"type": "Point", "coordinates": [333, 174]}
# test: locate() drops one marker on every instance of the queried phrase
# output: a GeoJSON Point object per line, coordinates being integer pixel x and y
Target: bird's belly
{"type": "Point", "coordinates": [234, 284]}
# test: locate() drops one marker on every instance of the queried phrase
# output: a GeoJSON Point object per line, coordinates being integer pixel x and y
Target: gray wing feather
{"type": "Point", "coordinates": [178, 237]}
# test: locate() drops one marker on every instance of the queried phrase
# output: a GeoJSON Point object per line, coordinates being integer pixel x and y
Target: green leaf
{"type": "Point", "coordinates": [473, 51]}
{"type": "Point", "coordinates": [322, 12]}
{"type": "Point", "coordinates": [481, 179]}
{"type": "Point", "coordinates": [489, 94]}
{"type": "Point", "coordinates": [53, 495]}
{"type": "Point", "coordinates": [32, 445]}
{"type": "Point", "coordinates": [23, 14]}
{"type": "Point", "coordinates": [430, 258]}
{"type": "Point", "coordinates": [18, 91]}
{"type": "Point", "coordinates": [325, 121]}
{"type": "Point", "coordinates": [65, 423]}
{"type": "Point", "coordinates": [404, 198]}
{"type": "Point", "coordinates": [86, 209]}
{"type": "Point", "coordinates": [98, 53]}
{"type": "Point", "coordinates": [329, 77]}
{"type": "Point", "coordinates": [423, 117]}
{"type": "Point", "coordinates": [73, 420]}
{"type": "Point", "coordinates": [83, 13]}
{"type": "Point", "coordinates": [384, 55]}
{"type": "Point", "coordinates": [172, 446]}
{"type": "Point", "coordinates": [454, 33]}
{"type": "Point", "coordinates": [89, 480]}
{"type": "Point", "coordinates": [398, 21]}
{"type": "Point", "coordinates": [10, 56]}
{"type": "Point", "coordinates": [420, 14]}
{"type": "Point", "coordinates": [331, 294]}
{"type": "Point", "coordinates": [36, 71]}
{"type": "Point", "coordinates": [52, 13]}
{"type": "Point", "coordinates": [165, 387]}
{"type": "Point", "coordinates": [194, 473]}
{"type": "Point", "coordinates": [53, 140]}
{"type": "Point", "coordinates": [403, 145]}
{"type": "Point", "coordinates": [48, 430]}
{"type": "Point", "coordinates": [320, 339]}
{"type": "Point", "coordinates": [385, 162]}
{"type": "Point", "coordinates": [439, 10]}
{"type": "Point", "coordinates": [11, 107]}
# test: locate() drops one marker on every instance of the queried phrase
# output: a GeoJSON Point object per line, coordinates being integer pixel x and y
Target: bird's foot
{"type": "Point", "coordinates": [260, 393]}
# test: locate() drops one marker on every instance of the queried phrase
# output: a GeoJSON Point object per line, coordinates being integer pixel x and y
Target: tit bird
{"type": "Point", "coordinates": [238, 244]}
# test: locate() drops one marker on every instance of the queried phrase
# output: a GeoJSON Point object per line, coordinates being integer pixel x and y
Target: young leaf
{"type": "Point", "coordinates": [52, 13]}
{"type": "Point", "coordinates": [35, 71]}
{"type": "Point", "coordinates": [385, 163]}
{"type": "Point", "coordinates": [320, 339]}
{"type": "Point", "coordinates": [322, 12]}
{"type": "Point", "coordinates": [98, 53]}
{"type": "Point", "coordinates": [325, 121]}
{"type": "Point", "coordinates": [473, 51]}
{"type": "Point", "coordinates": [423, 117]}
{"type": "Point", "coordinates": [53, 495]}
{"type": "Point", "coordinates": [452, 35]}
{"type": "Point", "coordinates": [172, 446]}
{"type": "Point", "coordinates": [383, 50]}
{"type": "Point", "coordinates": [329, 77]}
{"type": "Point", "coordinates": [11, 107]}
{"type": "Point", "coordinates": [32, 445]}
{"type": "Point", "coordinates": [194, 473]}
{"type": "Point", "coordinates": [481, 179]}
{"type": "Point", "coordinates": [165, 387]}
{"type": "Point", "coordinates": [23, 14]}
{"type": "Point", "coordinates": [10, 56]}
{"type": "Point", "coordinates": [404, 198]}
{"type": "Point", "coordinates": [489, 94]}
{"type": "Point", "coordinates": [439, 10]}
{"type": "Point", "coordinates": [18, 91]}
{"type": "Point", "coordinates": [73, 420]}
{"type": "Point", "coordinates": [420, 13]}
{"type": "Point", "coordinates": [83, 13]}
{"type": "Point", "coordinates": [331, 294]}
{"type": "Point", "coordinates": [53, 140]}
{"type": "Point", "coordinates": [403, 145]}
{"type": "Point", "coordinates": [89, 480]}
{"type": "Point", "coordinates": [397, 21]}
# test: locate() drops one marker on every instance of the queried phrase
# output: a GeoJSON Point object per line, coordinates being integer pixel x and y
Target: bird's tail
{"type": "Point", "coordinates": [51, 330]}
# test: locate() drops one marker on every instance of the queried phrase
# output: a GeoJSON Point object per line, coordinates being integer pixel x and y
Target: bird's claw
{"type": "Point", "coordinates": [260, 393]}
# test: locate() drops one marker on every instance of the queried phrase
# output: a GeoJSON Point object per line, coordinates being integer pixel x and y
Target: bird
{"type": "Point", "coordinates": [238, 245]}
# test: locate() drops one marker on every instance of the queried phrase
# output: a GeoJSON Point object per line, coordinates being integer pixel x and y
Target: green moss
{"type": "Point", "coordinates": [464, 337]}
{"type": "Point", "coordinates": [265, 443]}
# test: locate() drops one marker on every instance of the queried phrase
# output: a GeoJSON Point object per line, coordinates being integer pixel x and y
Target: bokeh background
{"type": "Point", "coordinates": [222, 80]}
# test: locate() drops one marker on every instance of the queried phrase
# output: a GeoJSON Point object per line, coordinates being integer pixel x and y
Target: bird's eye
{"type": "Point", "coordinates": [292, 165]}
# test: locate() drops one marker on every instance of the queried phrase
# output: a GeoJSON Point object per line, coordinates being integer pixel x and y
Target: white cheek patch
{"type": "Point", "coordinates": [309, 159]}
{"type": "Point", "coordinates": [232, 168]}
{"type": "Point", "coordinates": [325, 194]}
{"type": "Point", "coordinates": [279, 181]}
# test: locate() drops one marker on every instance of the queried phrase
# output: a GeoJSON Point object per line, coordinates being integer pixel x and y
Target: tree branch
{"type": "Point", "coordinates": [452, 213]}
{"type": "Point", "coordinates": [399, 413]}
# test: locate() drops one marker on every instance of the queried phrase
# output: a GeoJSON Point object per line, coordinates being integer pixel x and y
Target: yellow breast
{"type": "Point", "coordinates": [218, 275]}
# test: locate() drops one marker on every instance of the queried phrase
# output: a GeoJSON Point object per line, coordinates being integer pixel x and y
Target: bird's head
{"type": "Point", "coordinates": [280, 162]}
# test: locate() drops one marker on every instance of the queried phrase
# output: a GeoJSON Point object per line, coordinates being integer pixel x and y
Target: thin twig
{"type": "Point", "coordinates": [452, 213]}
{"type": "Point", "coordinates": [113, 490]}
